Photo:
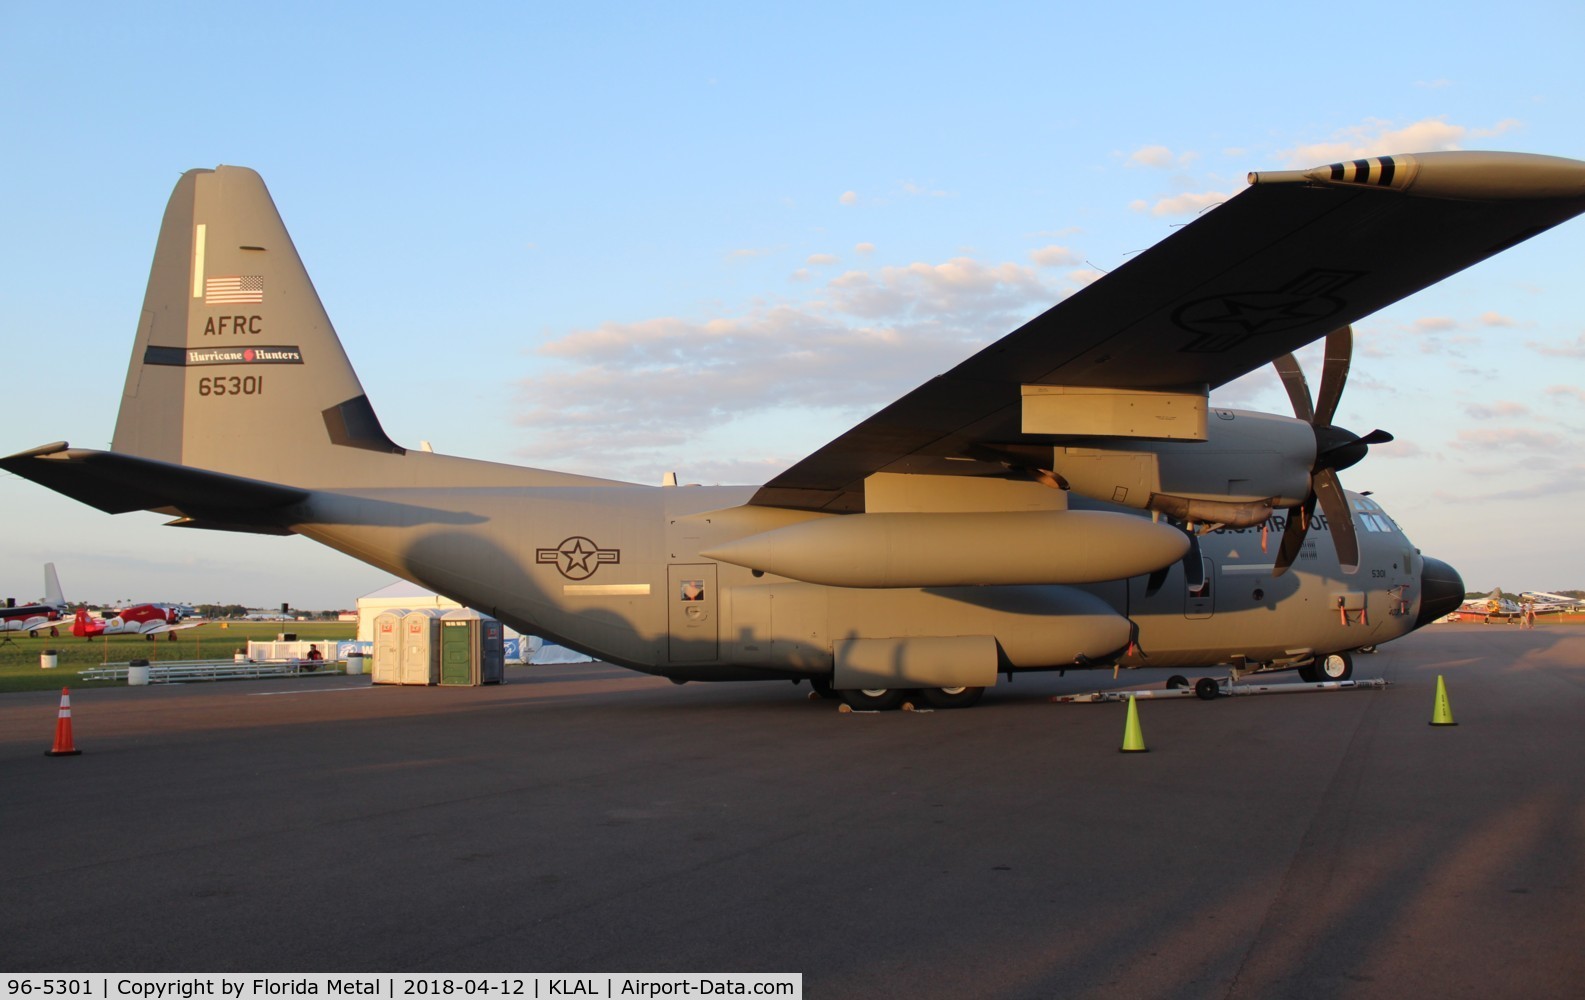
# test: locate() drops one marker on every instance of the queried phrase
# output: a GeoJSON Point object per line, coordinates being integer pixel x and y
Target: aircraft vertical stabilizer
{"type": "Point", "coordinates": [52, 587]}
{"type": "Point", "coordinates": [236, 368]}
{"type": "Point", "coordinates": [231, 323]}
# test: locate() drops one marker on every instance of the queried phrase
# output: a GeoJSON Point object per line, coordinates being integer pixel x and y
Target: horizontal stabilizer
{"type": "Point", "coordinates": [117, 483]}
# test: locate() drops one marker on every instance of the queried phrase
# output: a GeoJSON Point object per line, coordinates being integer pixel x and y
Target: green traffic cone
{"type": "Point", "coordinates": [1442, 714]}
{"type": "Point", "coordinates": [1133, 736]}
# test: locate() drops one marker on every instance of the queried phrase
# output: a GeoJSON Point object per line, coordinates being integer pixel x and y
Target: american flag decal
{"type": "Point", "coordinates": [233, 288]}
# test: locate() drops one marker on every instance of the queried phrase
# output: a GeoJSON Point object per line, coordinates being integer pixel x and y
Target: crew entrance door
{"type": "Point", "coordinates": [691, 607]}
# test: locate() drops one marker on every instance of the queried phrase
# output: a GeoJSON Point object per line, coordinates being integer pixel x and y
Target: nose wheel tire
{"type": "Point", "coordinates": [1336, 667]}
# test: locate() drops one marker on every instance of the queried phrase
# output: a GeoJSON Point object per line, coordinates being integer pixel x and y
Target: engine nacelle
{"type": "Point", "coordinates": [1249, 463]}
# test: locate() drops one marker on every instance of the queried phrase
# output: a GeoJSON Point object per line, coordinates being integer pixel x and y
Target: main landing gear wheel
{"type": "Point", "coordinates": [873, 699]}
{"type": "Point", "coordinates": [953, 697]}
{"type": "Point", "coordinates": [822, 687]}
{"type": "Point", "coordinates": [1206, 689]}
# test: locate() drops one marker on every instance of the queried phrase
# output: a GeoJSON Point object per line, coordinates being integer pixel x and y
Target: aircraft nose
{"type": "Point", "coordinates": [1441, 591]}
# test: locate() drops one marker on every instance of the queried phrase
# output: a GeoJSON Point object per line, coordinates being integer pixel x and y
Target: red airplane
{"type": "Point", "coordinates": [31, 618]}
{"type": "Point", "coordinates": [147, 620]}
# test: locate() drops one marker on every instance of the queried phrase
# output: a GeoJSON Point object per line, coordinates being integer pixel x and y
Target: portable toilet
{"type": "Point", "coordinates": [473, 648]}
{"type": "Point", "coordinates": [421, 646]}
{"type": "Point", "coordinates": [387, 667]}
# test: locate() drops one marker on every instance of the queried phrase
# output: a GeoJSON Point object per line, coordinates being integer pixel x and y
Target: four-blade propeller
{"type": "Point", "coordinates": [1335, 448]}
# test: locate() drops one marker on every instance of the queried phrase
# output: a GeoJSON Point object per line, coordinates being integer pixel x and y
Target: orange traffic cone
{"type": "Point", "coordinates": [63, 729]}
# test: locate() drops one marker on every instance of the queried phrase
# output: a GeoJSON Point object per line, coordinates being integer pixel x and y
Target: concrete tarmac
{"type": "Point", "coordinates": [583, 818]}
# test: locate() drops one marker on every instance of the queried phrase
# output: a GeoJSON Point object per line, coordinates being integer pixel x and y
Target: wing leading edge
{"type": "Point", "coordinates": [1277, 266]}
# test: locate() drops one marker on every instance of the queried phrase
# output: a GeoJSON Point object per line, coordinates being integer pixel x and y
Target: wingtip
{"type": "Point", "coordinates": [54, 447]}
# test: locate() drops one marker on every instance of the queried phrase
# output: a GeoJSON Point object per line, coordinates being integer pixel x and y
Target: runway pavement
{"type": "Point", "coordinates": [583, 818]}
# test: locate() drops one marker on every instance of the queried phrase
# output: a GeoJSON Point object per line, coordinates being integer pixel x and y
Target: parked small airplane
{"type": "Point", "coordinates": [1492, 606]}
{"type": "Point", "coordinates": [147, 620]}
{"type": "Point", "coordinates": [33, 618]}
{"type": "Point", "coordinates": [1067, 497]}
{"type": "Point", "coordinates": [1552, 604]}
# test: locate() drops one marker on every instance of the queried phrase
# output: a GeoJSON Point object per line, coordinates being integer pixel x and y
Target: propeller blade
{"type": "Point", "coordinates": [1334, 373]}
{"type": "Point", "coordinates": [1377, 436]}
{"type": "Point", "coordinates": [1339, 520]}
{"type": "Point", "coordinates": [1293, 535]}
{"type": "Point", "coordinates": [1194, 565]}
{"type": "Point", "coordinates": [1298, 387]}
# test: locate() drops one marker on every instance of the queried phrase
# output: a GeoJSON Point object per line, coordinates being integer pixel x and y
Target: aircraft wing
{"type": "Point", "coordinates": [160, 628]}
{"type": "Point", "coordinates": [1288, 259]}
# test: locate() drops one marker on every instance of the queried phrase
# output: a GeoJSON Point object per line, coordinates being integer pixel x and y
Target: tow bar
{"type": "Point", "coordinates": [1208, 688]}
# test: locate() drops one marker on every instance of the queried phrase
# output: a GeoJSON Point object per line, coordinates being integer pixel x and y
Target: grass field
{"type": "Point", "coordinates": [19, 658]}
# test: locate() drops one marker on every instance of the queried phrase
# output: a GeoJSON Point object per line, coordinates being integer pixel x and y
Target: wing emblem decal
{"type": "Point", "coordinates": [1223, 322]}
{"type": "Point", "coordinates": [577, 558]}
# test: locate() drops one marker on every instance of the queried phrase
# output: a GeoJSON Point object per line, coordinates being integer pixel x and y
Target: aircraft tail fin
{"type": "Point", "coordinates": [52, 587]}
{"type": "Point", "coordinates": [237, 369]}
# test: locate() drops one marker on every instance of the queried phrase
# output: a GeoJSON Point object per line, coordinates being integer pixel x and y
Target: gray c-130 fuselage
{"type": "Point", "coordinates": [1066, 497]}
{"type": "Point", "coordinates": [620, 573]}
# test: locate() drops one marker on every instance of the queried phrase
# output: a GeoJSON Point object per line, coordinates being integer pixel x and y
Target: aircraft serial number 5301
{"type": "Point", "coordinates": [230, 385]}
{"type": "Point", "coordinates": [1065, 497]}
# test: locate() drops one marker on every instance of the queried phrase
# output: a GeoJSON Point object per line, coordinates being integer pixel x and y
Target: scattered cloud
{"type": "Point", "coordinates": [1183, 204]}
{"type": "Point", "coordinates": [1558, 482]}
{"type": "Point", "coordinates": [821, 260]}
{"type": "Point", "coordinates": [1159, 157]}
{"type": "Point", "coordinates": [1054, 256]}
{"type": "Point", "coordinates": [863, 249]}
{"type": "Point", "coordinates": [1151, 156]}
{"type": "Point", "coordinates": [635, 393]}
{"type": "Point", "coordinates": [1503, 438]}
{"type": "Point", "coordinates": [1376, 137]}
{"type": "Point", "coordinates": [1564, 350]}
{"type": "Point", "coordinates": [1397, 448]}
{"type": "Point", "coordinates": [913, 190]}
{"type": "Point", "coordinates": [1434, 324]}
{"type": "Point", "coordinates": [1492, 318]}
{"type": "Point", "coordinates": [1501, 408]}
{"type": "Point", "coordinates": [849, 198]}
{"type": "Point", "coordinates": [1566, 391]}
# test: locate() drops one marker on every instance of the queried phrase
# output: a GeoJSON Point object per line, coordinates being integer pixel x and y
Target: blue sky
{"type": "Point", "coordinates": [632, 238]}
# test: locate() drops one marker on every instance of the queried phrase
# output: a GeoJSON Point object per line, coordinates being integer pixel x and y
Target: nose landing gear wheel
{"type": "Point", "coordinates": [1336, 667]}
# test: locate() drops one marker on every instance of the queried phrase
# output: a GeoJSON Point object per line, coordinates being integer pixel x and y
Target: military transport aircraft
{"type": "Point", "coordinates": [33, 618]}
{"type": "Point", "coordinates": [1066, 497]}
